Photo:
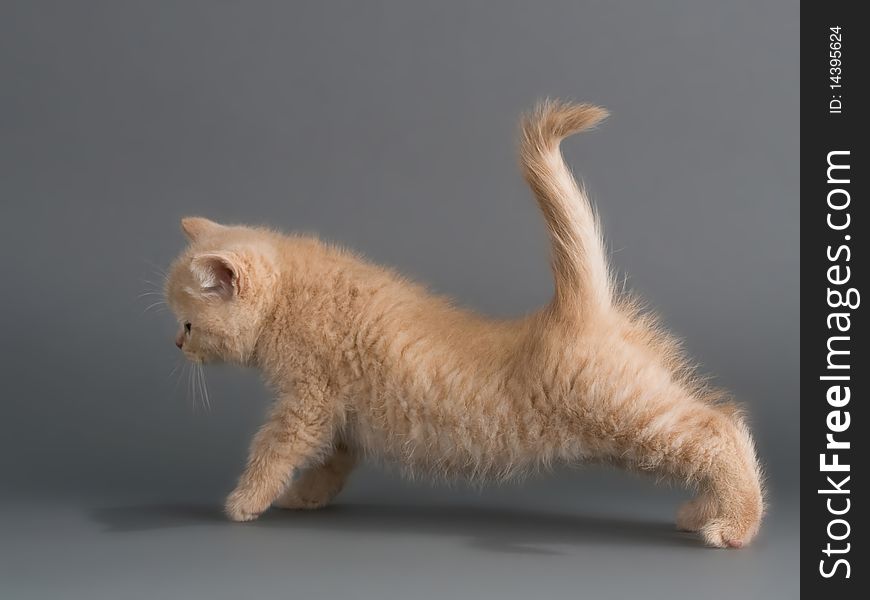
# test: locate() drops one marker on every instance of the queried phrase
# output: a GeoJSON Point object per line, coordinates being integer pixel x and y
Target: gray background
{"type": "Point", "coordinates": [390, 127]}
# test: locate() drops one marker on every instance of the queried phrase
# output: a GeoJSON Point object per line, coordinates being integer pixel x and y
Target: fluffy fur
{"type": "Point", "coordinates": [367, 364]}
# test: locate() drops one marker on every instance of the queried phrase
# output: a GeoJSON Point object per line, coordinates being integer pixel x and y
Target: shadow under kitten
{"type": "Point", "coordinates": [500, 530]}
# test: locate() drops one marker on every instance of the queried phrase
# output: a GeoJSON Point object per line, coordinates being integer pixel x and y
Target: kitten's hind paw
{"type": "Point", "coordinates": [703, 515]}
{"type": "Point", "coordinates": [737, 524]}
{"type": "Point", "coordinates": [692, 515]}
{"type": "Point", "coordinates": [723, 533]}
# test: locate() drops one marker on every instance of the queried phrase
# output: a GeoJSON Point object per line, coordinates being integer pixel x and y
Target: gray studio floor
{"type": "Point", "coordinates": [386, 539]}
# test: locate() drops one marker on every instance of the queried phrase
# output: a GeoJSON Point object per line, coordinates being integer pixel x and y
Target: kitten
{"type": "Point", "coordinates": [367, 364]}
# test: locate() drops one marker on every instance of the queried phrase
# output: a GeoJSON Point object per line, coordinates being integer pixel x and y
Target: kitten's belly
{"type": "Point", "coordinates": [451, 436]}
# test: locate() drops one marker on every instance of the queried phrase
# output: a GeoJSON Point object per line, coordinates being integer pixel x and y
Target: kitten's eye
{"type": "Point", "coordinates": [187, 327]}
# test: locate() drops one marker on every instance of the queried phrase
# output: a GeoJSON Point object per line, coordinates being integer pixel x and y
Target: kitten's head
{"type": "Point", "coordinates": [221, 289]}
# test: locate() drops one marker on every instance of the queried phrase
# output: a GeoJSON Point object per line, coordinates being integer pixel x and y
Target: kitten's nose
{"type": "Point", "coordinates": [179, 340]}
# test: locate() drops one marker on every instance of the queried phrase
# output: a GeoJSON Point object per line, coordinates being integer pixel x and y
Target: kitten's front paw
{"type": "Point", "coordinates": [242, 506]}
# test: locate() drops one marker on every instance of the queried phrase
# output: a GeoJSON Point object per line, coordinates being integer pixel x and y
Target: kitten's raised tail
{"type": "Point", "coordinates": [579, 261]}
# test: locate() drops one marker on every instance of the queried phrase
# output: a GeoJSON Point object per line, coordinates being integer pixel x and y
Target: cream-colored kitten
{"type": "Point", "coordinates": [367, 364]}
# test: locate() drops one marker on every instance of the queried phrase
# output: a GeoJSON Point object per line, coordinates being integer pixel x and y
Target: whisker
{"type": "Point", "coordinates": [175, 368]}
{"type": "Point", "coordinates": [160, 303]}
{"type": "Point", "coordinates": [190, 388]}
{"type": "Point", "coordinates": [178, 378]}
{"type": "Point", "coordinates": [151, 264]}
{"type": "Point", "coordinates": [159, 270]}
{"type": "Point", "coordinates": [196, 393]}
{"type": "Point", "coordinates": [153, 283]}
{"type": "Point", "coordinates": [198, 384]}
{"type": "Point", "coordinates": [199, 388]}
{"type": "Point", "coordinates": [204, 387]}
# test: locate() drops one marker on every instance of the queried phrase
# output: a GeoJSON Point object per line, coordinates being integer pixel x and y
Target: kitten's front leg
{"type": "Point", "coordinates": [300, 427]}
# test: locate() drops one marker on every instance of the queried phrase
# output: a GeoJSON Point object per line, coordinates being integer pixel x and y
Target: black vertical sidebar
{"type": "Point", "coordinates": [834, 337]}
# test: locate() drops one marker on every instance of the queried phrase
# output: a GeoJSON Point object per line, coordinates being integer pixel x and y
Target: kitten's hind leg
{"type": "Point", "coordinates": [319, 484]}
{"type": "Point", "coordinates": [713, 449]}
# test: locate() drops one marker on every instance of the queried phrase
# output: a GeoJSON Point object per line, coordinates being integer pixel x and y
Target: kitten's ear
{"type": "Point", "coordinates": [219, 273]}
{"type": "Point", "coordinates": [195, 227]}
